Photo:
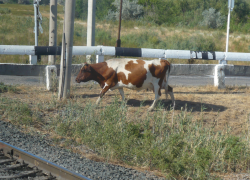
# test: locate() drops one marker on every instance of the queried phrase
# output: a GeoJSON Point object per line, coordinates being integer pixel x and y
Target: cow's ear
{"type": "Point", "coordinates": [83, 65]}
{"type": "Point", "coordinates": [88, 68]}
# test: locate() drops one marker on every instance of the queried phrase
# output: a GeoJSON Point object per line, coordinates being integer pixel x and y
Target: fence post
{"type": "Point", "coordinates": [219, 76]}
{"type": "Point", "coordinates": [64, 88]}
{"type": "Point", "coordinates": [36, 4]}
{"type": "Point", "coordinates": [51, 77]}
{"type": "Point", "coordinates": [52, 29]}
{"type": "Point", "coordinates": [99, 58]}
{"type": "Point", "coordinates": [91, 26]}
{"type": "Point", "coordinates": [33, 59]}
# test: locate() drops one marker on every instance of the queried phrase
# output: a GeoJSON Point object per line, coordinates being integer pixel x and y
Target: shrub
{"type": "Point", "coordinates": [4, 11]}
{"type": "Point", "coordinates": [130, 10]}
{"type": "Point", "coordinates": [24, 2]}
{"type": "Point", "coordinates": [17, 112]}
{"type": "Point", "coordinates": [10, 1]}
{"type": "Point", "coordinates": [7, 88]}
{"type": "Point", "coordinates": [212, 19]}
{"type": "Point", "coordinates": [187, 149]}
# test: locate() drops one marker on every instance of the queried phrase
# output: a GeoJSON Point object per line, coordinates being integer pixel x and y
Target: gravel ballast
{"type": "Point", "coordinates": [41, 146]}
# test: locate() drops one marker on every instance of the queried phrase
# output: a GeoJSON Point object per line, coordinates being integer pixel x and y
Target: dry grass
{"type": "Point", "coordinates": [218, 108]}
{"type": "Point", "coordinates": [226, 107]}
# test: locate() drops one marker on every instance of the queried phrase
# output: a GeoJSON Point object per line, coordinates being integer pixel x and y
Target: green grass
{"type": "Point", "coordinates": [4, 11]}
{"type": "Point", "coordinates": [16, 111]}
{"type": "Point", "coordinates": [18, 8]}
{"type": "Point", "coordinates": [186, 149]}
{"type": "Point", "coordinates": [7, 88]}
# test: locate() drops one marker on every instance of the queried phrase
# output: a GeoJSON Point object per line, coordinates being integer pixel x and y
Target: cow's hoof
{"type": "Point", "coordinates": [150, 109]}
{"type": "Point", "coordinates": [98, 101]}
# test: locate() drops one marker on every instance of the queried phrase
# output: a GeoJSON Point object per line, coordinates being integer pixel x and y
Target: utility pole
{"type": "Point", "coordinates": [38, 25]}
{"type": "Point", "coordinates": [91, 26]}
{"type": "Point", "coordinates": [52, 29]}
{"type": "Point", "coordinates": [36, 6]}
{"type": "Point", "coordinates": [230, 8]}
{"type": "Point", "coordinates": [65, 73]}
{"type": "Point", "coordinates": [118, 41]}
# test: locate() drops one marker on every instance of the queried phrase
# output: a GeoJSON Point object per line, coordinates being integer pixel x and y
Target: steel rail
{"type": "Point", "coordinates": [47, 167]}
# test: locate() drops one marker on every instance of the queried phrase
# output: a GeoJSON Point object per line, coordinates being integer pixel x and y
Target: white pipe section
{"type": "Point", "coordinates": [150, 53]}
{"type": "Point", "coordinates": [17, 50]}
{"type": "Point", "coordinates": [108, 50]}
{"type": "Point", "coordinates": [153, 53]}
{"type": "Point", "coordinates": [230, 56]}
{"type": "Point", "coordinates": [86, 50]}
{"type": "Point", "coordinates": [179, 54]}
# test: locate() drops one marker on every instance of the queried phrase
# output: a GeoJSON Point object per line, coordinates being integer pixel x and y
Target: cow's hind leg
{"type": "Point", "coordinates": [122, 93]}
{"type": "Point", "coordinates": [169, 90]}
{"type": "Point", "coordinates": [157, 91]}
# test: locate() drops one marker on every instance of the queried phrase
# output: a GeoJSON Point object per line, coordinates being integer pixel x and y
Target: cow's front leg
{"type": "Point", "coordinates": [157, 92]}
{"type": "Point", "coordinates": [103, 91]}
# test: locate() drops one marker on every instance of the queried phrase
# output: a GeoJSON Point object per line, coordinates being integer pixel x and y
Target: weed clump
{"type": "Point", "coordinates": [185, 149]}
{"type": "Point", "coordinates": [7, 88]}
{"type": "Point", "coordinates": [15, 111]}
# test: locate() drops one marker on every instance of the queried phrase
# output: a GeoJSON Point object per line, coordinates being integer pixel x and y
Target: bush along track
{"type": "Point", "coordinates": [187, 149]}
{"type": "Point", "coordinates": [183, 150]}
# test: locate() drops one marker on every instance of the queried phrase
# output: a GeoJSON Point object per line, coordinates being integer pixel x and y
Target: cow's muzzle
{"type": "Point", "coordinates": [77, 80]}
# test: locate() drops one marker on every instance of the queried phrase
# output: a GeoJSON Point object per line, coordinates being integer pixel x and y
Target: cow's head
{"type": "Point", "coordinates": [85, 74]}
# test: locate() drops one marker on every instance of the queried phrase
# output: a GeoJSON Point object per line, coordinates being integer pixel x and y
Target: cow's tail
{"type": "Point", "coordinates": [167, 77]}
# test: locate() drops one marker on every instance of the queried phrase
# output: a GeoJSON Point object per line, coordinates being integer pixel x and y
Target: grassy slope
{"type": "Point", "coordinates": [209, 135]}
{"type": "Point", "coordinates": [17, 27]}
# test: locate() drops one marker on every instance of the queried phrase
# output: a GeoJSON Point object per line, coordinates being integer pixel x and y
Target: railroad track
{"type": "Point", "coordinates": [16, 163]}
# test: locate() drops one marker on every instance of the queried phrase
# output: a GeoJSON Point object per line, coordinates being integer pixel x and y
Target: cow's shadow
{"type": "Point", "coordinates": [179, 105]}
{"type": "Point", "coordinates": [239, 92]}
{"type": "Point", "coordinates": [90, 95]}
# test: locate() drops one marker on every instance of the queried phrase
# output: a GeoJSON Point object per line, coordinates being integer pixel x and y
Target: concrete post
{"type": "Point", "coordinates": [99, 58]}
{"type": "Point", "coordinates": [51, 77]}
{"type": "Point", "coordinates": [62, 66]}
{"type": "Point", "coordinates": [69, 31]}
{"type": "Point", "coordinates": [33, 59]}
{"type": "Point", "coordinates": [52, 29]}
{"type": "Point", "coordinates": [219, 76]}
{"type": "Point", "coordinates": [91, 26]}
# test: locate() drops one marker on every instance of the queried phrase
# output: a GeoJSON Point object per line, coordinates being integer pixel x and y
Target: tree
{"type": "Point", "coordinates": [45, 2]}
{"type": "Point", "coordinates": [81, 9]}
{"type": "Point", "coordinates": [241, 11]}
{"type": "Point", "coordinates": [102, 8]}
{"type": "Point", "coordinates": [10, 1]}
{"type": "Point", "coordinates": [212, 19]}
{"type": "Point", "coordinates": [130, 10]}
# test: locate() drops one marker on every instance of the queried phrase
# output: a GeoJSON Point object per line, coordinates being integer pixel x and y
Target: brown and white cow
{"type": "Point", "coordinates": [129, 73]}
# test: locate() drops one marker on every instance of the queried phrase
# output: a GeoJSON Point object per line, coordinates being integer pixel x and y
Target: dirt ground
{"type": "Point", "coordinates": [225, 107]}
